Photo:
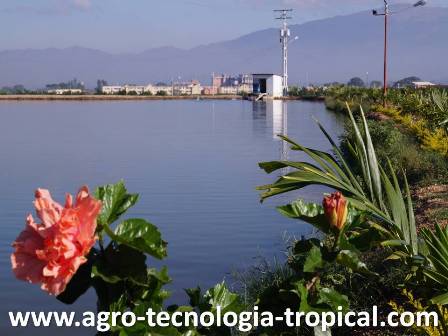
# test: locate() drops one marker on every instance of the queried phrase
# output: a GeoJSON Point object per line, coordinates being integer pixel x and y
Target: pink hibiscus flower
{"type": "Point", "coordinates": [50, 252]}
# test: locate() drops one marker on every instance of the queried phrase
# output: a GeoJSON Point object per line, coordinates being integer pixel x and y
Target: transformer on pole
{"type": "Point", "coordinates": [285, 33]}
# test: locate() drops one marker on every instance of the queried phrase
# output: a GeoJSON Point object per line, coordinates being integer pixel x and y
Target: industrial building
{"type": "Point", "coordinates": [267, 85]}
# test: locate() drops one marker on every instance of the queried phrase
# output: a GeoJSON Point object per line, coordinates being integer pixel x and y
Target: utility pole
{"type": "Point", "coordinates": [386, 15]}
{"type": "Point", "coordinates": [285, 33]}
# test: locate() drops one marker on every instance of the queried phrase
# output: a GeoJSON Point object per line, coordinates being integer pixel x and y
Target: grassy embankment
{"type": "Point", "coordinates": [412, 132]}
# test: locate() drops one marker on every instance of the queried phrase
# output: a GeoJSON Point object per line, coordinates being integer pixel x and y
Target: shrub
{"type": "Point", "coordinates": [404, 152]}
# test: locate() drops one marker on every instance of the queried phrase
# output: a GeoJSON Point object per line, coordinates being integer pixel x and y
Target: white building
{"type": "Point", "coordinates": [422, 85]}
{"type": "Point", "coordinates": [137, 89]}
{"type": "Point", "coordinates": [187, 89]}
{"type": "Point", "coordinates": [157, 89]}
{"type": "Point", "coordinates": [65, 91]}
{"type": "Point", "coordinates": [111, 89]}
{"type": "Point", "coordinates": [228, 90]}
{"type": "Point", "coordinates": [245, 88]}
{"type": "Point", "coordinates": [268, 84]}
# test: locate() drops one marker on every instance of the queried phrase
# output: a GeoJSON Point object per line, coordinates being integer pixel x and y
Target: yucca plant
{"type": "Point", "coordinates": [375, 192]}
{"type": "Point", "coordinates": [437, 256]}
{"type": "Point", "coordinates": [440, 100]}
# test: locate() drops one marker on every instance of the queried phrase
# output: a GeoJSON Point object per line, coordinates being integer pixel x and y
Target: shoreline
{"type": "Point", "coordinates": [44, 97]}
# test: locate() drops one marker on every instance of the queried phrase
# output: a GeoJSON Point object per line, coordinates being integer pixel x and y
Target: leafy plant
{"type": "Point", "coordinates": [374, 192]}
{"type": "Point", "coordinates": [117, 268]}
{"type": "Point", "coordinates": [417, 305]}
{"type": "Point", "coordinates": [437, 256]}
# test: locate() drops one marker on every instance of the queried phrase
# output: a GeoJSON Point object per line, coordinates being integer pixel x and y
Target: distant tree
{"type": "Point", "coordinates": [333, 84]}
{"type": "Point", "coordinates": [356, 81]}
{"type": "Point", "coordinates": [132, 93]}
{"type": "Point", "coordinates": [161, 93]}
{"type": "Point", "coordinates": [294, 91]}
{"type": "Point", "coordinates": [376, 84]}
{"type": "Point", "coordinates": [405, 82]}
{"type": "Point", "coordinates": [16, 89]}
{"type": "Point", "coordinates": [72, 84]}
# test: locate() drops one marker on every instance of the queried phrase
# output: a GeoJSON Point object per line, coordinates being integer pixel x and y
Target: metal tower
{"type": "Point", "coordinates": [285, 33]}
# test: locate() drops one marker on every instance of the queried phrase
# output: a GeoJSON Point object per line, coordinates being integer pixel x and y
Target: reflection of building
{"type": "Point", "coordinates": [259, 110]}
{"type": "Point", "coordinates": [277, 111]}
{"type": "Point", "coordinates": [268, 84]}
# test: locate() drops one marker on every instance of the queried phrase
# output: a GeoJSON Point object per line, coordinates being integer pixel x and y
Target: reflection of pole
{"type": "Point", "coordinates": [284, 154]}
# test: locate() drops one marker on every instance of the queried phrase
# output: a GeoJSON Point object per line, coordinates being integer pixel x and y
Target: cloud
{"type": "Point", "coordinates": [51, 7]}
{"type": "Point", "coordinates": [82, 4]}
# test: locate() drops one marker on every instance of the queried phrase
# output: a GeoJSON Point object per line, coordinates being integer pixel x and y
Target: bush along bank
{"type": "Point", "coordinates": [424, 113]}
{"type": "Point", "coordinates": [369, 250]}
{"type": "Point", "coordinates": [411, 133]}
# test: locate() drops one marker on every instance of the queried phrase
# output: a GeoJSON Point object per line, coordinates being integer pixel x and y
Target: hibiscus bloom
{"type": "Point", "coordinates": [49, 253]}
{"type": "Point", "coordinates": [336, 209]}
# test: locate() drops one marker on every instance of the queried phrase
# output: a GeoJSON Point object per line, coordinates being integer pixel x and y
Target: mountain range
{"type": "Point", "coordinates": [332, 49]}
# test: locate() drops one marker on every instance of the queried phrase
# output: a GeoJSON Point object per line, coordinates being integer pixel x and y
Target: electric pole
{"type": "Point", "coordinates": [285, 33]}
{"type": "Point", "coordinates": [387, 12]}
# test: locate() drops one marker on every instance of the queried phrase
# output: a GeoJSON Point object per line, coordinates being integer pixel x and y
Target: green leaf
{"type": "Point", "coordinates": [440, 299]}
{"type": "Point", "coordinates": [195, 296]}
{"type": "Point", "coordinates": [120, 263]}
{"type": "Point", "coordinates": [302, 292]}
{"type": "Point", "coordinates": [221, 296]}
{"type": "Point", "coordinates": [394, 242]}
{"type": "Point", "coordinates": [313, 261]}
{"type": "Point", "coordinates": [305, 245]}
{"type": "Point", "coordinates": [141, 235]}
{"type": "Point", "coordinates": [351, 260]}
{"type": "Point", "coordinates": [372, 160]}
{"type": "Point", "coordinates": [311, 213]}
{"type": "Point", "coordinates": [116, 201]}
{"type": "Point", "coordinates": [105, 275]}
{"type": "Point", "coordinates": [334, 299]}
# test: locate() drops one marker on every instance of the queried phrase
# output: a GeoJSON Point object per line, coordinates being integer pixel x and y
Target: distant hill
{"type": "Point", "coordinates": [333, 49]}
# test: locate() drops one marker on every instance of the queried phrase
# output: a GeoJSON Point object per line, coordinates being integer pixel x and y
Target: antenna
{"type": "Point", "coordinates": [285, 33]}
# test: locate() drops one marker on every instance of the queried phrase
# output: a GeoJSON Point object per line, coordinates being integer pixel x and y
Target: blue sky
{"type": "Point", "coordinates": [136, 25]}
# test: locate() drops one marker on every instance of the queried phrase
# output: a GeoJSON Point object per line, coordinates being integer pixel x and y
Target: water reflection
{"type": "Point", "coordinates": [275, 115]}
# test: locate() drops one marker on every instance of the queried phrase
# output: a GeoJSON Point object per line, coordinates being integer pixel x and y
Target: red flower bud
{"type": "Point", "coordinates": [335, 209]}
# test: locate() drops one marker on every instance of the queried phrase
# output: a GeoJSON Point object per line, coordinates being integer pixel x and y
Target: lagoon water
{"type": "Point", "coordinates": [194, 164]}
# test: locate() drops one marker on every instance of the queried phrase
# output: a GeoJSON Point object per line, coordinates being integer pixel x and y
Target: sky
{"type": "Point", "coordinates": [122, 26]}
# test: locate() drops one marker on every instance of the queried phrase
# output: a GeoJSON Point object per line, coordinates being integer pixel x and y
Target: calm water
{"type": "Point", "coordinates": [194, 164]}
